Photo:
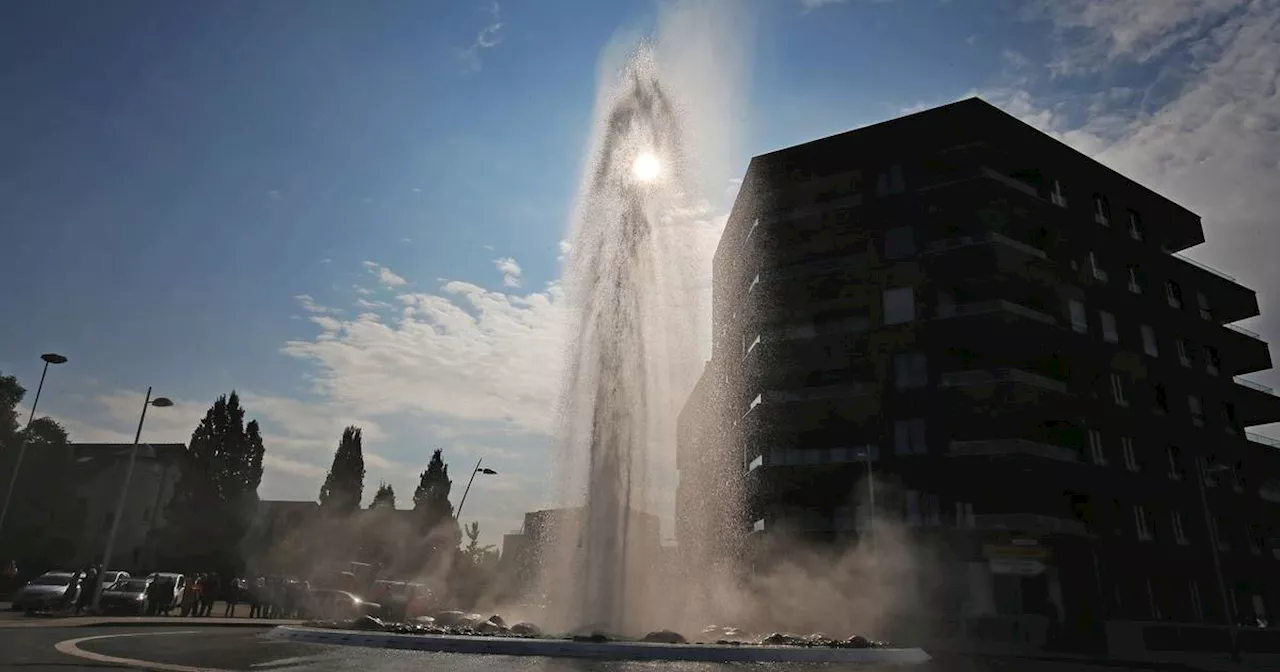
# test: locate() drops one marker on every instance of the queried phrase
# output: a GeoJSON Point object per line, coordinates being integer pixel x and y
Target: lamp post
{"type": "Point", "coordinates": [158, 402]}
{"type": "Point", "coordinates": [486, 471]}
{"type": "Point", "coordinates": [49, 358]}
{"type": "Point", "coordinates": [1203, 470]}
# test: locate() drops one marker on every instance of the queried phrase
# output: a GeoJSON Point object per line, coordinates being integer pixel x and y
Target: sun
{"type": "Point", "coordinates": [646, 167]}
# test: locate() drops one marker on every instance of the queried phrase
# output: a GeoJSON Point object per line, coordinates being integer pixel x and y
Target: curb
{"type": "Point", "coordinates": [116, 622]}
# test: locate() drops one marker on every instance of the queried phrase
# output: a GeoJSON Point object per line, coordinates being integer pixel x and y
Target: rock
{"type": "Point", "coordinates": [596, 637]}
{"type": "Point", "coordinates": [449, 619]}
{"type": "Point", "coordinates": [665, 637]}
{"type": "Point", "coordinates": [424, 620]}
{"type": "Point", "coordinates": [858, 642]}
{"type": "Point", "coordinates": [489, 627]}
{"type": "Point", "coordinates": [781, 639]}
{"type": "Point", "coordinates": [497, 620]}
{"type": "Point", "coordinates": [819, 639]}
{"type": "Point", "coordinates": [526, 629]}
{"type": "Point", "coordinates": [368, 623]}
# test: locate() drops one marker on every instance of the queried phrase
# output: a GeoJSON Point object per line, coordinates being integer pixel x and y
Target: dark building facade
{"type": "Point", "coordinates": [1001, 330]}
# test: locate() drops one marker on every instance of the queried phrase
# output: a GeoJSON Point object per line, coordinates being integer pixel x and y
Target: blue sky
{"type": "Point", "coordinates": [353, 211]}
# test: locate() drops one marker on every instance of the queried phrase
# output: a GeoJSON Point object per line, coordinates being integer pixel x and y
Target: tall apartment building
{"type": "Point", "coordinates": [1002, 330]}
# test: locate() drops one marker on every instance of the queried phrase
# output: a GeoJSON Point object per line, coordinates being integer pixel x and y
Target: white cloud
{"type": "Point", "coordinates": [809, 5]}
{"type": "Point", "coordinates": [385, 276]}
{"type": "Point", "coordinates": [510, 271]}
{"type": "Point", "coordinates": [488, 37]}
{"type": "Point", "coordinates": [309, 304]}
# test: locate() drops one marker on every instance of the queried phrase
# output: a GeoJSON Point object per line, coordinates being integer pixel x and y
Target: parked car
{"type": "Point", "coordinates": [43, 592]}
{"type": "Point", "coordinates": [338, 605]}
{"type": "Point", "coordinates": [113, 576]}
{"type": "Point", "coordinates": [179, 582]}
{"type": "Point", "coordinates": [127, 596]}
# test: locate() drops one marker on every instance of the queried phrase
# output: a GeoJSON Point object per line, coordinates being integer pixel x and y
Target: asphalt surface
{"type": "Point", "coordinates": [245, 649]}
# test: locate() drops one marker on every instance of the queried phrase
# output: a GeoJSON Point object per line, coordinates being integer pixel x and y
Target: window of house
{"type": "Point", "coordinates": [1260, 607]}
{"type": "Point", "coordinates": [1096, 451]}
{"type": "Point", "coordinates": [1149, 341]}
{"type": "Point", "coordinates": [1135, 280]}
{"type": "Point", "coordinates": [964, 514]}
{"type": "Point", "coordinates": [1215, 525]}
{"type": "Point", "coordinates": [910, 370]}
{"type": "Point", "coordinates": [1175, 462]}
{"type": "Point", "coordinates": [1101, 210]}
{"type": "Point", "coordinates": [1184, 352]}
{"type": "Point", "coordinates": [1179, 530]}
{"type": "Point", "coordinates": [1197, 410]}
{"type": "Point", "coordinates": [1130, 458]}
{"type": "Point", "coordinates": [1059, 195]}
{"type": "Point", "coordinates": [1135, 225]}
{"type": "Point", "coordinates": [1230, 423]}
{"type": "Point", "coordinates": [890, 181]}
{"type": "Point", "coordinates": [1117, 390]}
{"type": "Point", "coordinates": [946, 304]}
{"type": "Point", "coordinates": [899, 242]}
{"type": "Point", "coordinates": [1197, 608]}
{"type": "Point", "coordinates": [1210, 479]}
{"type": "Point", "coordinates": [1108, 321]}
{"type": "Point", "coordinates": [1140, 523]}
{"type": "Point", "coordinates": [1173, 293]}
{"type": "Point", "coordinates": [913, 508]}
{"type": "Point", "coordinates": [1203, 301]}
{"type": "Point", "coordinates": [1162, 399]}
{"type": "Point", "coordinates": [899, 305]}
{"type": "Point", "coordinates": [1095, 268]}
{"type": "Point", "coordinates": [932, 511]}
{"type": "Point", "coordinates": [1079, 318]}
{"type": "Point", "coordinates": [1255, 539]}
{"type": "Point", "coordinates": [1152, 604]}
{"type": "Point", "coordinates": [909, 437]}
{"type": "Point", "coordinates": [1211, 361]}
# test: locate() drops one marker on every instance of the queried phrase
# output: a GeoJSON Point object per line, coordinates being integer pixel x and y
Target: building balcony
{"type": "Point", "coordinates": [1247, 351]}
{"type": "Point", "coordinates": [810, 406]}
{"type": "Point", "coordinates": [993, 377]}
{"type": "Point", "coordinates": [990, 254]}
{"type": "Point", "coordinates": [1231, 300]}
{"type": "Point", "coordinates": [1006, 394]}
{"type": "Point", "coordinates": [1256, 404]}
{"type": "Point", "coordinates": [1030, 523]}
{"type": "Point", "coordinates": [1012, 448]}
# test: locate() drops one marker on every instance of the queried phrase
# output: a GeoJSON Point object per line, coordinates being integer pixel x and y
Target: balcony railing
{"type": "Point", "coordinates": [960, 242]}
{"type": "Point", "coordinates": [837, 391]}
{"type": "Point", "coordinates": [963, 378]}
{"type": "Point", "coordinates": [1009, 181]}
{"type": "Point", "coordinates": [1247, 332]}
{"type": "Point", "coordinates": [1204, 266]}
{"type": "Point", "coordinates": [1029, 522]}
{"type": "Point", "coordinates": [994, 306]}
{"type": "Point", "coordinates": [1252, 385]}
{"type": "Point", "coordinates": [1005, 447]}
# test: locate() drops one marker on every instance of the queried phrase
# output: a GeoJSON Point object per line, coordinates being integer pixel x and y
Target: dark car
{"type": "Point", "coordinates": [127, 596]}
{"type": "Point", "coordinates": [337, 605]}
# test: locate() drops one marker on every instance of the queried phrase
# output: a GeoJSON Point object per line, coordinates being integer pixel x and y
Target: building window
{"type": "Point", "coordinates": [1079, 319]}
{"type": "Point", "coordinates": [1095, 268]}
{"type": "Point", "coordinates": [1260, 608]}
{"type": "Point", "coordinates": [1215, 525]}
{"type": "Point", "coordinates": [909, 437]}
{"type": "Point", "coordinates": [1210, 480]}
{"type": "Point", "coordinates": [1179, 530]}
{"type": "Point", "coordinates": [1197, 608]}
{"type": "Point", "coordinates": [1152, 604]}
{"type": "Point", "coordinates": [913, 508]}
{"type": "Point", "coordinates": [1130, 459]}
{"type": "Point", "coordinates": [932, 511]}
{"type": "Point", "coordinates": [1237, 482]}
{"type": "Point", "coordinates": [899, 242]}
{"type": "Point", "coordinates": [1095, 448]}
{"type": "Point", "coordinates": [1059, 195]}
{"type": "Point", "coordinates": [1135, 225]}
{"type": "Point", "coordinates": [1101, 210]}
{"type": "Point", "coordinates": [1197, 410]}
{"type": "Point", "coordinates": [910, 370]}
{"type": "Point", "coordinates": [899, 305]}
{"type": "Point", "coordinates": [1149, 341]}
{"type": "Point", "coordinates": [891, 182]}
{"type": "Point", "coordinates": [964, 514]}
{"type": "Point", "coordinates": [1255, 539]}
{"type": "Point", "coordinates": [1184, 352]}
{"type": "Point", "coordinates": [1173, 294]}
{"type": "Point", "coordinates": [1230, 423]}
{"type": "Point", "coordinates": [1162, 400]}
{"type": "Point", "coordinates": [1135, 284]}
{"type": "Point", "coordinates": [758, 526]}
{"type": "Point", "coordinates": [1175, 463]}
{"type": "Point", "coordinates": [750, 232]}
{"type": "Point", "coordinates": [1211, 361]}
{"type": "Point", "coordinates": [1140, 522]}
{"type": "Point", "coordinates": [1108, 321]}
{"type": "Point", "coordinates": [1203, 300]}
{"type": "Point", "coordinates": [1117, 390]}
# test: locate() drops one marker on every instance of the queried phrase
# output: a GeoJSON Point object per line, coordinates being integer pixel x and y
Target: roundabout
{"type": "Point", "coordinates": [603, 650]}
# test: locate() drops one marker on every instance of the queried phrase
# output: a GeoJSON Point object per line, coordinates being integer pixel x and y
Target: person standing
{"type": "Point", "coordinates": [208, 594]}
{"type": "Point", "coordinates": [71, 597]}
{"type": "Point", "coordinates": [88, 585]}
{"type": "Point", "coordinates": [190, 595]}
{"type": "Point", "coordinates": [231, 593]}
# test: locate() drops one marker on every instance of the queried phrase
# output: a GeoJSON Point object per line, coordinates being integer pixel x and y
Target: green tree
{"type": "Point", "coordinates": [431, 497]}
{"type": "Point", "coordinates": [474, 552]}
{"type": "Point", "coordinates": [344, 484]}
{"type": "Point", "coordinates": [216, 495]}
{"type": "Point", "coordinates": [385, 498]}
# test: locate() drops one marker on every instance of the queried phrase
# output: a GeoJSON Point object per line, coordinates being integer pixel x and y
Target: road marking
{"type": "Point", "coordinates": [285, 661]}
{"type": "Point", "coordinates": [71, 648]}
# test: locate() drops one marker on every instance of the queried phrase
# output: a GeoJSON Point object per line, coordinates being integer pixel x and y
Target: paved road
{"type": "Point", "coordinates": [244, 649]}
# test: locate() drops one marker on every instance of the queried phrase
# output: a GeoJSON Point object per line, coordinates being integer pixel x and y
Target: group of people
{"type": "Point", "coordinates": [78, 596]}
{"type": "Point", "coordinates": [267, 597]}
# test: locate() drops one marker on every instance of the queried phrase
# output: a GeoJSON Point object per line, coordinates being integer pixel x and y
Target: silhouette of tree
{"type": "Point", "coordinates": [36, 530]}
{"type": "Point", "coordinates": [216, 495]}
{"type": "Point", "coordinates": [344, 484]}
{"type": "Point", "coordinates": [431, 497]}
{"type": "Point", "coordinates": [385, 498]}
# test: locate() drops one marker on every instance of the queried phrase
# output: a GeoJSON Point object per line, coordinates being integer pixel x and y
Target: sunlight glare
{"type": "Point", "coordinates": [646, 168]}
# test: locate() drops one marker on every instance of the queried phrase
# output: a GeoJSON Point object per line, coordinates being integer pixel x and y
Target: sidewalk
{"type": "Point", "coordinates": [16, 619]}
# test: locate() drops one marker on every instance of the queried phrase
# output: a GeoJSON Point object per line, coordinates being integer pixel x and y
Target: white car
{"type": "Point", "coordinates": [179, 582]}
{"type": "Point", "coordinates": [43, 592]}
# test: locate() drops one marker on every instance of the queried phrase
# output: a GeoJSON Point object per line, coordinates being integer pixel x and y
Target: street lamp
{"type": "Point", "coordinates": [486, 471]}
{"type": "Point", "coordinates": [158, 402]}
{"type": "Point", "coordinates": [1203, 470]}
{"type": "Point", "coordinates": [49, 358]}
